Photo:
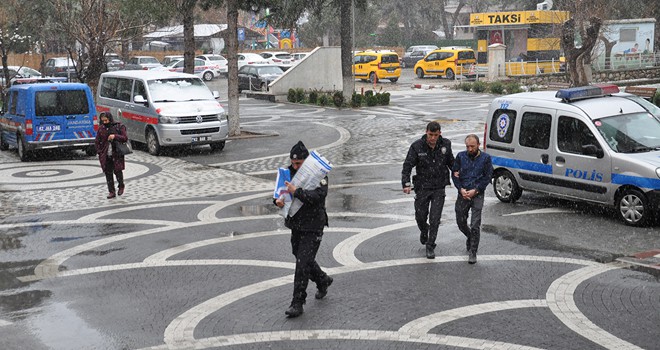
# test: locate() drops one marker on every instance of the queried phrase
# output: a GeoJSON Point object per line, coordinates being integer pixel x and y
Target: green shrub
{"type": "Point", "coordinates": [513, 88]}
{"type": "Point", "coordinates": [479, 86]}
{"type": "Point", "coordinates": [656, 99]}
{"type": "Point", "coordinates": [496, 87]}
{"type": "Point", "coordinates": [372, 100]}
{"type": "Point", "coordinates": [324, 100]}
{"type": "Point", "coordinates": [384, 98]}
{"type": "Point", "coordinates": [338, 98]}
{"type": "Point", "coordinates": [356, 100]}
{"type": "Point", "coordinates": [368, 93]}
{"type": "Point", "coordinates": [300, 95]}
{"type": "Point", "coordinates": [313, 96]}
{"type": "Point", "coordinates": [465, 86]}
{"type": "Point", "coordinates": [291, 95]}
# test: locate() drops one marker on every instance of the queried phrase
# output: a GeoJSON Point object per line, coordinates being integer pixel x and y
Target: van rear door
{"type": "Point", "coordinates": [63, 113]}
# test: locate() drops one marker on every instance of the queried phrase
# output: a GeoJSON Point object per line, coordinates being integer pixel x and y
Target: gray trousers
{"type": "Point", "coordinates": [463, 208]}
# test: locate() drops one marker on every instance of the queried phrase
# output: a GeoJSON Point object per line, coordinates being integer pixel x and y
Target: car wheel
{"type": "Point", "coordinates": [449, 74]}
{"type": "Point", "coordinates": [152, 143]}
{"type": "Point", "coordinates": [217, 146]}
{"type": "Point", "coordinates": [90, 151]}
{"type": "Point", "coordinates": [394, 80]}
{"type": "Point", "coordinates": [633, 207]}
{"type": "Point", "coordinates": [373, 78]}
{"type": "Point", "coordinates": [207, 76]}
{"type": "Point", "coordinates": [23, 154]}
{"type": "Point", "coordinates": [420, 73]}
{"type": "Point", "coordinates": [3, 143]}
{"type": "Point", "coordinates": [506, 187]}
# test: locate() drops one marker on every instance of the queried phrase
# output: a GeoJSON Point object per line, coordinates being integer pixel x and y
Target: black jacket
{"type": "Point", "coordinates": [312, 215]}
{"type": "Point", "coordinates": [433, 166]}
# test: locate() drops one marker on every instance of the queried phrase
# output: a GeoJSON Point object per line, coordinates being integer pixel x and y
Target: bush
{"type": "Point", "coordinates": [479, 86]}
{"type": "Point", "coordinates": [496, 87]}
{"type": "Point", "coordinates": [356, 100]}
{"type": "Point", "coordinates": [465, 86]}
{"type": "Point", "coordinates": [313, 96]}
{"type": "Point", "coordinates": [368, 93]}
{"type": "Point", "coordinates": [513, 88]}
{"type": "Point", "coordinates": [656, 99]}
{"type": "Point", "coordinates": [324, 100]}
{"type": "Point", "coordinates": [372, 100]}
{"type": "Point", "coordinates": [338, 98]}
{"type": "Point", "coordinates": [300, 95]}
{"type": "Point", "coordinates": [291, 95]}
{"type": "Point", "coordinates": [384, 98]}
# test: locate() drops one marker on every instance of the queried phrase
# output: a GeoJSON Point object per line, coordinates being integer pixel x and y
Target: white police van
{"type": "Point", "coordinates": [588, 143]}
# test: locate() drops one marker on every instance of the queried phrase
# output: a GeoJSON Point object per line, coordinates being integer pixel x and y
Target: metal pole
{"type": "Point", "coordinates": [353, 43]}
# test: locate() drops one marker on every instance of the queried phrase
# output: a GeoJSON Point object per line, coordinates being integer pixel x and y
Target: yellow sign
{"type": "Point", "coordinates": [517, 17]}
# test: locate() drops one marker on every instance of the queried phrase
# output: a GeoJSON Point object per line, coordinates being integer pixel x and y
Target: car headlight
{"type": "Point", "coordinates": [221, 117]}
{"type": "Point", "coordinates": [657, 172]}
{"type": "Point", "coordinates": [168, 120]}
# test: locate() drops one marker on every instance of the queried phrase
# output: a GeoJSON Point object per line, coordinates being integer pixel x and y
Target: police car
{"type": "Point", "coordinates": [588, 143]}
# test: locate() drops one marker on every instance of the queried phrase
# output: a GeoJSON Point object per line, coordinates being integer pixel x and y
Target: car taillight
{"type": "Point", "coordinates": [379, 65]}
{"type": "Point", "coordinates": [276, 60]}
{"type": "Point", "coordinates": [96, 123]}
{"type": "Point", "coordinates": [59, 69]}
{"type": "Point", "coordinates": [145, 68]}
{"type": "Point", "coordinates": [28, 126]}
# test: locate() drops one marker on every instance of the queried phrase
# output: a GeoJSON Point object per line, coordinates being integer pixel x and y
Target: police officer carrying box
{"type": "Point", "coordinates": [433, 159]}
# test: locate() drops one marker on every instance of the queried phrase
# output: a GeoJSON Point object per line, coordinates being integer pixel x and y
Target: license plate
{"type": "Point", "coordinates": [286, 62]}
{"type": "Point", "coordinates": [48, 128]}
{"type": "Point", "coordinates": [390, 70]}
{"type": "Point", "coordinates": [201, 138]}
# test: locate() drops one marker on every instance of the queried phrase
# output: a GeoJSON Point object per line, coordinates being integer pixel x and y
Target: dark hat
{"type": "Point", "coordinates": [299, 151]}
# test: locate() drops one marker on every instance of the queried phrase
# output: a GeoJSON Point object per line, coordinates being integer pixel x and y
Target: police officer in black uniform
{"type": "Point", "coordinates": [306, 234]}
{"type": "Point", "coordinates": [433, 159]}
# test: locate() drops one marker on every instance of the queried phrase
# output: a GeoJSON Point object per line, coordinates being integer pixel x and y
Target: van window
{"type": "Point", "coordinates": [572, 134]}
{"type": "Point", "coordinates": [179, 89]}
{"type": "Point", "coordinates": [61, 102]}
{"type": "Point", "coordinates": [535, 130]}
{"type": "Point", "coordinates": [124, 88]}
{"type": "Point", "coordinates": [390, 59]}
{"type": "Point", "coordinates": [466, 55]}
{"type": "Point", "coordinates": [109, 88]}
{"type": "Point", "coordinates": [14, 101]}
{"type": "Point", "coordinates": [628, 133]}
{"type": "Point", "coordinates": [502, 125]}
{"type": "Point", "coordinates": [139, 89]}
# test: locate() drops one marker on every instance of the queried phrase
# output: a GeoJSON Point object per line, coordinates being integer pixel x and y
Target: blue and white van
{"type": "Point", "coordinates": [588, 143]}
{"type": "Point", "coordinates": [48, 115]}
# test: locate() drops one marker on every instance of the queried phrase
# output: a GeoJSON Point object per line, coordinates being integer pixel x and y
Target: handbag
{"type": "Point", "coordinates": [123, 148]}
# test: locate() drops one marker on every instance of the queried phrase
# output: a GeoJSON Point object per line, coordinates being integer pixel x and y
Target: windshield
{"type": "Point", "coordinates": [179, 89]}
{"type": "Point", "coordinates": [655, 110]}
{"type": "Point", "coordinates": [630, 133]}
{"type": "Point", "coordinates": [270, 70]}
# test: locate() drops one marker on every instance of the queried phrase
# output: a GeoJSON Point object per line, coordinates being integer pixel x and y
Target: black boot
{"type": "Point", "coordinates": [472, 259]}
{"type": "Point", "coordinates": [295, 310]}
{"type": "Point", "coordinates": [423, 237]}
{"type": "Point", "coordinates": [430, 254]}
{"type": "Point", "coordinates": [323, 288]}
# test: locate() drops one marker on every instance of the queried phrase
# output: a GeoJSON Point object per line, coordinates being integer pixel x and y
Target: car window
{"type": "Point", "coordinates": [284, 56]}
{"type": "Point", "coordinates": [14, 101]}
{"type": "Point", "coordinates": [572, 134]}
{"type": "Point", "coordinates": [390, 59]}
{"type": "Point", "coordinates": [357, 59]}
{"type": "Point", "coordinates": [139, 89]}
{"type": "Point", "coordinates": [432, 57]}
{"type": "Point", "coordinates": [178, 89]}
{"type": "Point", "coordinates": [109, 88]}
{"type": "Point", "coordinates": [243, 70]}
{"type": "Point", "coordinates": [269, 70]}
{"type": "Point", "coordinates": [61, 102]}
{"type": "Point", "coordinates": [124, 89]}
{"type": "Point", "coordinates": [466, 55]}
{"type": "Point", "coordinates": [502, 125]}
{"type": "Point", "coordinates": [535, 130]}
{"type": "Point", "coordinates": [149, 60]}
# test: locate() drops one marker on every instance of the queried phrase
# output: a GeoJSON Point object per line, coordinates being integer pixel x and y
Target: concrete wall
{"type": "Point", "coordinates": [320, 70]}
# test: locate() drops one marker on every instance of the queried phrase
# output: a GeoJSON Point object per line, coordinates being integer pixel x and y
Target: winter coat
{"type": "Point", "coordinates": [432, 165]}
{"type": "Point", "coordinates": [102, 144]}
{"type": "Point", "coordinates": [312, 215]}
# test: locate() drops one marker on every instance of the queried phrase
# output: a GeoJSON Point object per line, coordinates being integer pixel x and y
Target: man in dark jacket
{"type": "Point", "coordinates": [306, 233]}
{"type": "Point", "coordinates": [432, 158]}
{"type": "Point", "coordinates": [472, 172]}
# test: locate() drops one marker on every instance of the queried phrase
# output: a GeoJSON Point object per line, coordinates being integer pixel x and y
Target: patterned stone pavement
{"type": "Point", "coordinates": [195, 256]}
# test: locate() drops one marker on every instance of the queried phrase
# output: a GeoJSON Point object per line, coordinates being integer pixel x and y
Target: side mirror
{"type": "Point", "coordinates": [216, 94]}
{"type": "Point", "coordinates": [592, 150]}
{"type": "Point", "coordinates": [139, 99]}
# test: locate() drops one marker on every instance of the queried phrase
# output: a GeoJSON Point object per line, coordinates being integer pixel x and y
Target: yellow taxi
{"type": "Point", "coordinates": [376, 65]}
{"type": "Point", "coordinates": [446, 62]}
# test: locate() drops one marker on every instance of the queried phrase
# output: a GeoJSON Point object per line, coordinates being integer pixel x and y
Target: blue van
{"type": "Point", "coordinates": [48, 115]}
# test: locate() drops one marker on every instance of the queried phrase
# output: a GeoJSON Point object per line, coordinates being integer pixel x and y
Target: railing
{"type": "Point", "coordinates": [633, 60]}
{"type": "Point", "coordinates": [537, 67]}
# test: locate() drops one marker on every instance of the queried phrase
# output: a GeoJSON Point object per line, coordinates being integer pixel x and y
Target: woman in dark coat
{"type": "Point", "coordinates": [110, 132]}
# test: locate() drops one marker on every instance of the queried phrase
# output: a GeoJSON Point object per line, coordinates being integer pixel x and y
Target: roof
{"type": "Point", "coordinates": [201, 30]}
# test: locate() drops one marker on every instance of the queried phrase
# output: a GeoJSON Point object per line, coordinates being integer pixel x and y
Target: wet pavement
{"type": "Point", "coordinates": [194, 254]}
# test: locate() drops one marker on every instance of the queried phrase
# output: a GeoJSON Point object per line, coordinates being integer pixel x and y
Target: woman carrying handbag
{"type": "Point", "coordinates": [110, 134]}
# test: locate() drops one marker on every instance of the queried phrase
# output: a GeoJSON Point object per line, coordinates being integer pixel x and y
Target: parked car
{"type": "Point", "coordinates": [18, 72]}
{"type": "Point", "coordinates": [415, 48]}
{"type": "Point", "coordinates": [113, 62]}
{"type": "Point", "coordinates": [250, 58]}
{"type": "Point", "coordinates": [281, 59]}
{"type": "Point", "coordinates": [216, 60]}
{"type": "Point", "coordinates": [142, 63]}
{"type": "Point", "coordinates": [60, 67]}
{"type": "Point", "coordinates": [376, 65]}
{"type": "Point", "coordinates": [447, 63]}
{"type": "Point", "coordinates": [169, 59]}
{"type": "Point", "coordinates": [298, 56]}
{"type": "Point", "coordinates": [257, 76]}
{"type": "Point", "coordinates": [202, 69]}
{"type": "Point", "coordinates": [410, 58]}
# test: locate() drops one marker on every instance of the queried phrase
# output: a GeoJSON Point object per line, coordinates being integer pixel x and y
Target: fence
{"type": "Point", "coordinates": [633, 60]}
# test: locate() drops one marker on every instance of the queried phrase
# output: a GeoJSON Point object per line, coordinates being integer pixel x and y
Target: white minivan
{"type": "Point", "coordinates": [161, 108]}
{"type": "Point", "coordinates": [587, 143]}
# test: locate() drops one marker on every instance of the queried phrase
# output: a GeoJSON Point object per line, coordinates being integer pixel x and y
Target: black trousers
{"type": "Point", "coordinates": [473, 231]}
{"type": "Point", "coordinates": [109, 178]}
{"type": "Point", "coordinates": [428, 205]}
{"type": "Point", "coordinates": [305, 245]}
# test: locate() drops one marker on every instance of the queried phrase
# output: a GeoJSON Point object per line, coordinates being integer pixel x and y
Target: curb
{"type": "Point", "coordinates": [422, 86]}
{"type": "Point", "coordinates": [648, 261]}
{"type": "Point", "coordinates": [245, 134]}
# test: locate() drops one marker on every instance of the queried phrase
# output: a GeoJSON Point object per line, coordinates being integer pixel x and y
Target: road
{"type": "Point", "coordinates": [194, 254]}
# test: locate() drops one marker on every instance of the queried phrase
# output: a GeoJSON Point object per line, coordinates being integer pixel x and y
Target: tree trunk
{"type": "Point", "coordinates": [346, 33]}
{"type": "Point", "coordinates": [189, 36]}
{"type": "Point", "coordinates": [232, 67]}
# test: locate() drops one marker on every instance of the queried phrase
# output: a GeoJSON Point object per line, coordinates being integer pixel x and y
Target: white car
{"type": "Point", "coordinates": [217, 60]}
{"type": "Point", "coordinates": [250, 58]}
{"type": "Point", "coordinates": [298, 56]}
{"type": "Point", "coordinates": [18, 72]}
{"type": "Point", "coordinates": [280, 58]}
{"type": "Point", "coordinates": [203, 69]}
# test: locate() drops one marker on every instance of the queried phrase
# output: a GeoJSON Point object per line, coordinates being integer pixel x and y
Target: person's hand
{"type": "Point", "coordinates": [464, 194]}
{"type": "Point", "coordinates": [111, 137]}
{"type": "Point", "coordinates": [290, 187]}
{"type": "Point", "coordinates": [280, 203]}
{"type": "Point", "coordinates": [456, 173]}
{"type": "Point", "coordinates": [406, 190]}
